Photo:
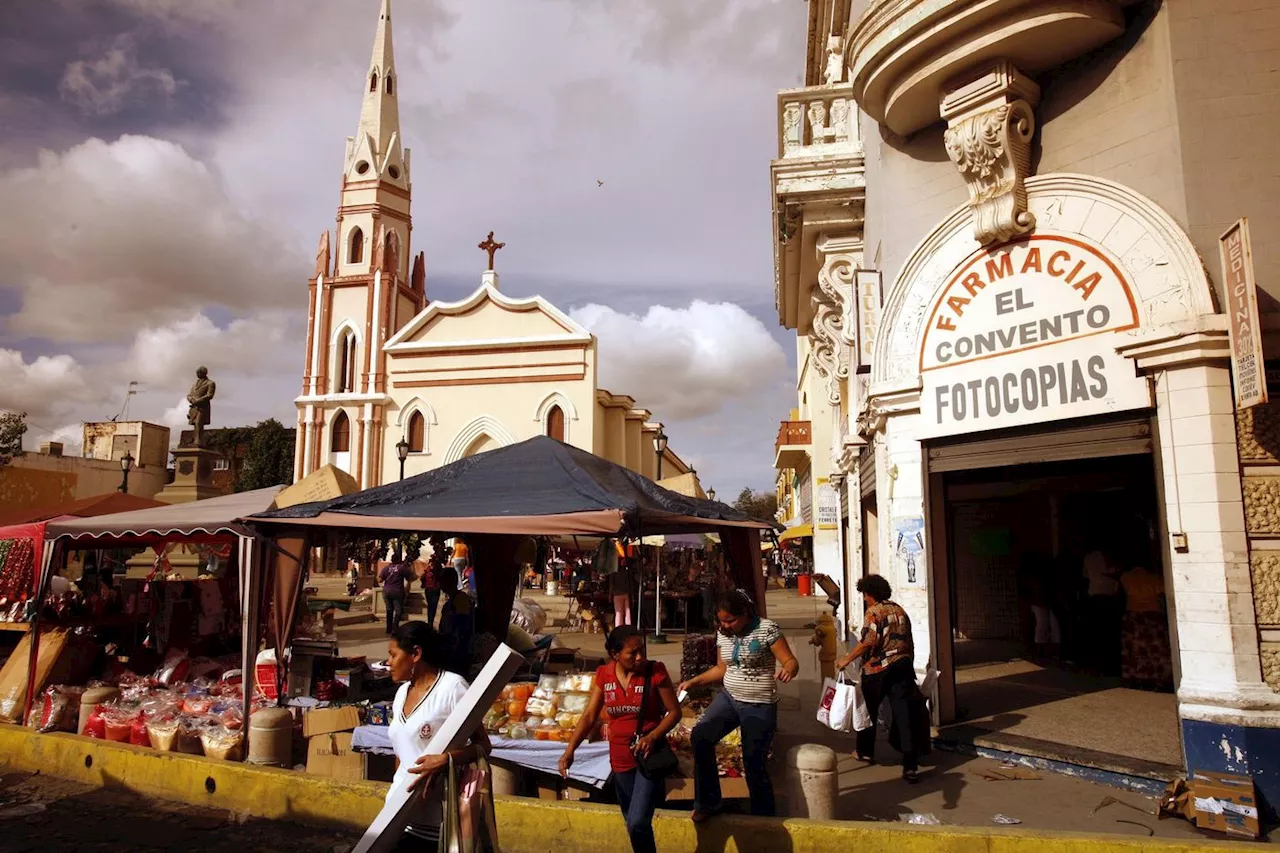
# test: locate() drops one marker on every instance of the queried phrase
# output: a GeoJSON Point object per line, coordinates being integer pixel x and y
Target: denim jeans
{"type": "Point", "coordinates": [638, 798]}
{"type": "Point", "coordinates": [759, 723]}
{"type": "Point", "coordinates": [433, 604]}
{"type": "Point", "coordinates": [395, 609]}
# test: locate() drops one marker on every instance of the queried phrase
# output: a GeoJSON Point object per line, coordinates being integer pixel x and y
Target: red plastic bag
{"type": "Point", "coordinates": [95, 726]}
{"type": "Point", "coordinates": [138, 733]}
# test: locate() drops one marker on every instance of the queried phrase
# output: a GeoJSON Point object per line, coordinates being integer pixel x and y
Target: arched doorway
{"type": "Point", "coordinates": [555, 423]}
{"type": "Point", "coordinates": [340, 442]}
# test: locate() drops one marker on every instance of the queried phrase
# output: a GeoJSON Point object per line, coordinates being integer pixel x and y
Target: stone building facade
{"type": "Point", "coordinates": [1027, 356]}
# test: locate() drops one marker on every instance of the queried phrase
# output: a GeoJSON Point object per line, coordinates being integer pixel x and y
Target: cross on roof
{"type": "Point", "coordinates": [491, 247]}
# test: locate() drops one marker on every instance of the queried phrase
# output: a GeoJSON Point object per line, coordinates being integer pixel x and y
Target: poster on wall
{"type": "Point", "coordinates": [908, 549]}
{"type": "Point", "coordinates": [828, 507]}
{"type": "Point", "coordinates": [1027, 333]}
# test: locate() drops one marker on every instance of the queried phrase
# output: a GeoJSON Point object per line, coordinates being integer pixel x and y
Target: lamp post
{"type": "Point", "coordinates": [126, 465]}
{"type": "Point", "coordinates": [711, 494]}
{"type": "Point", "coordinates": [402, 453]}
{"type": "Point", "coordinates": [660, 447]}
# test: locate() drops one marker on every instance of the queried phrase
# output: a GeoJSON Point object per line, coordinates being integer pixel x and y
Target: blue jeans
{"type": "Point", "coordinates": [638, 798]}
{"type": "Point", "coordinates": [395, 609]}
{"type": "Point", "coordinates": [759, 723]}
{"type": "Point", "coordinates": [433, 604]}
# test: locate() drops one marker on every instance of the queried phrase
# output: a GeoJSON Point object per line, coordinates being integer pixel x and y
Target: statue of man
{"type": "Point", "coordinates": [199, 398]}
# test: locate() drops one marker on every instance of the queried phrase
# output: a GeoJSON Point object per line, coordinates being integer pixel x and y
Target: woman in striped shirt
{"type": "Point", "coordinates": [749, 652]}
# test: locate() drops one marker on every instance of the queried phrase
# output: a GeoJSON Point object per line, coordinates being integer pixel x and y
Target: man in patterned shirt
{"type": "Point", "coordinates": [888, 670]}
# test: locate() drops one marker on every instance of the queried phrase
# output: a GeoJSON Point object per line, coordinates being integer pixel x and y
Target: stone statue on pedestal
{"type": "Point", "coordinates": [200, 398]}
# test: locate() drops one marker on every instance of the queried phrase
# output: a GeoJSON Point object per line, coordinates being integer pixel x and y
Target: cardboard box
{"type": "Point", "coordinates": [1225, 802]}
{"type": "Point", "coordinates": [331, 755]}
{"type": "Point", "coordinates": [323, 721]}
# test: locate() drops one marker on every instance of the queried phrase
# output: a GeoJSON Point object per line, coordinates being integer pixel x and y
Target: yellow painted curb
{"type": "Point", "coordinates": [525, 825]}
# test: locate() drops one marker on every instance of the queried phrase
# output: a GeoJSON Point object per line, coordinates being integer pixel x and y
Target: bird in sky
{"type": "Point", "coordinates": [599, 183]}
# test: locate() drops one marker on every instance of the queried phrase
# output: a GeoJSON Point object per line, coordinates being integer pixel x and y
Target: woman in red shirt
{"type": "Point", "coordinates": [620, 687]}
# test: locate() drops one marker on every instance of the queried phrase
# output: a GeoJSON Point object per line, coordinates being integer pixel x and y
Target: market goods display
{"type": "Point", "coordinates": [203, 716]}
{"type": "Point", "coordinates": [549, 710]}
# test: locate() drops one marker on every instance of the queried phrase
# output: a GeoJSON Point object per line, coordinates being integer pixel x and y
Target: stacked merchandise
{"type": "Point", "coordinates": [551, 710]}
{"type": "Point", "coordinates": [699, 656]}
{"type": "Point", "coordinates": [174, 710]}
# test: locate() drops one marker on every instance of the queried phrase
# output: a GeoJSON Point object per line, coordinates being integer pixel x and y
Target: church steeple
{"type": "Point", "coordinates": [375, 151]}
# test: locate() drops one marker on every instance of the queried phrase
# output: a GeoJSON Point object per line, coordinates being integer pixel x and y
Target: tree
{"type": "Point", "coordinates": [759, 505]}
{"type": "Point", "coordinates": [13, 425]}
{"type": "Point", "coordinates": [269, 459]}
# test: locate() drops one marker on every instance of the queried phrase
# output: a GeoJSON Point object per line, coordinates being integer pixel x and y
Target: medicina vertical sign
{"type": "Point", "coordinates": [1248, 373]}
{"type": "Point", "coordinates": [1027, 333]}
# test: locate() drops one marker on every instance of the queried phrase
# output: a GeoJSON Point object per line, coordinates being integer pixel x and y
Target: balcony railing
{"type": "Point", "coordinates": [793, 433]}
{"type": "Point", "coordinates": [818, 121]}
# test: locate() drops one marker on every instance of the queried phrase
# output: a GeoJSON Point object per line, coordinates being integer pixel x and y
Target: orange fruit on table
{"type": "Point", "coordinates": [516, 707]}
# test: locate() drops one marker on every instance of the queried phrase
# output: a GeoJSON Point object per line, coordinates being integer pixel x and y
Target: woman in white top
{"type": "Point", "coordinates": [427, 696]}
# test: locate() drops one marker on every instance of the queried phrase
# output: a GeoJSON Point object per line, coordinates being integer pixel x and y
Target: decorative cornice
{"type": "Point", "coordinates": [990, 123]}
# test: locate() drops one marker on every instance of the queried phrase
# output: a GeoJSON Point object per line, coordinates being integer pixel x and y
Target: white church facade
{"type": "Point", "coordinates": [384, 366]}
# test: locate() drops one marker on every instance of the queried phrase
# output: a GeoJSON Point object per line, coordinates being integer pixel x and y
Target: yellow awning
{"type": "Point", "coordinates": [800, 531]}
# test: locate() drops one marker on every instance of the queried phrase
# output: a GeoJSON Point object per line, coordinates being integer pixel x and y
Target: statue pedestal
{"type": "Point", "coordinates": [192, 476]}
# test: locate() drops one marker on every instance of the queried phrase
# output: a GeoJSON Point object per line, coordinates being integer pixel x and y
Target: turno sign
{"type": "Point", "coordinates": [1025, 333]}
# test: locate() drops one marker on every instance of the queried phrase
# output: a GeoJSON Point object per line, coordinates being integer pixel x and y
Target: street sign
{"type": "Point", "coordinates": [828, 507]}
{"type": "Point", "coordinates": [1248, 373]}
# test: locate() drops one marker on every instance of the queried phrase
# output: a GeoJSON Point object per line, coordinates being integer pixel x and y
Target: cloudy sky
{"type": "Point", "coordinates": [166, 167]}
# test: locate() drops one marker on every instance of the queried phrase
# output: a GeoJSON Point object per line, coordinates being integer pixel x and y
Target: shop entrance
{"type": "Point", "coordinates": [1053, 584]}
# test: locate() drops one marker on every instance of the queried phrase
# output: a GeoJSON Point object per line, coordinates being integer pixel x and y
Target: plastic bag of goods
{"type": "Point", "coordinates": [175, 668]}
{"type": "Point", "coordinates": [96, 726]}
{"type": "Point", "coordinates": [138, 735]}
{"type": "Point", "coordinates": [265, 673]}
{"type": "Point", "coordinates": [58, 711]}
{"type": "Point", "coordinates": [188, 739]}
{"type": "Point", "coordinates": [222, 743]}
{"type": "Point", "coordinates": [118, 721]}
{"type": "Point", "coordinates": [197, 704]}
{"type": "Point", "coordinates": [160, 704]}
{"type": "Point", "coordinates": [162, 732]}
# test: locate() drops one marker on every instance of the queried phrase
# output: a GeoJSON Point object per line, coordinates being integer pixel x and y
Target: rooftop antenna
{"type": "Point", "coordinates": [124, 410]}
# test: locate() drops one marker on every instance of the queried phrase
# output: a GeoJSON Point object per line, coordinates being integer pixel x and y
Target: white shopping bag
{"type": "Point", "coordinates": [859, 717]}
{"type": "Point", "coordinates": [835, 711]}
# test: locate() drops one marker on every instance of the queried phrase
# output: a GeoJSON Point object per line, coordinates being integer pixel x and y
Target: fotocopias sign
{"type": "Point", "coordinates": [1025, 333]}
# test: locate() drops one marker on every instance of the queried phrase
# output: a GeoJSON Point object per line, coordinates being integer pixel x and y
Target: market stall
{"type": "Point", "coordinates": [164, 650]}
{"type": "Point", "coordinates": [499, 499]}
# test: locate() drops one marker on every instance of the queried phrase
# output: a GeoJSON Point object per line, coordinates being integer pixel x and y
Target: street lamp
{"type": "Point", "coordinates": [660, 447]}
{"type": "Point", "coordinates": [126, 465]}
{"type": "Point", "coordinates": [711, 494]}
{"type": "Point", "coordinates": [402, 452]}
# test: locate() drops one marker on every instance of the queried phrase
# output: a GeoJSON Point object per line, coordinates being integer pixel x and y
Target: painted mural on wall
{"type": "Point", "coordinates": [908, 549]}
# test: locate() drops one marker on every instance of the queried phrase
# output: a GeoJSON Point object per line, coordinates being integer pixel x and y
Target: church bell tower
{"type": "Point", "coordinates": [363, 289]}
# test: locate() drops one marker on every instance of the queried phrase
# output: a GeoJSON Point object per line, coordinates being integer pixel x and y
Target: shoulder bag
{"type": "Point", "coordinates": [661, 761]}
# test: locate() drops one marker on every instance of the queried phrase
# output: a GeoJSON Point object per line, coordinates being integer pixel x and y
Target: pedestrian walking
{"type": "Point", "coordinates": [428, 695]}
{"type": "Point", "coordinates": [457, 619]}
{"type": "Point", "coordinates": [431, 579]}
{"type": "Point", "coordinates": [888, 672]}
{"type": "Point", "coordinates": [752, 656]}
{"type": "Point", "coordinates": [637, 696]}
{"type": "Point", "coordinates": [394, 577]}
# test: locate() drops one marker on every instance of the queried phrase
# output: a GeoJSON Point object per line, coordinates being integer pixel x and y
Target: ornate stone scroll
{"type": "Point", "coordinates": [990, 123]}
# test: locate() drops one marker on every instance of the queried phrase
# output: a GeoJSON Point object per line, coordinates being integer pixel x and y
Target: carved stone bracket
{"type": "Point", "coordinates": [990, 123]}
{"type": "Point", "coordinates": [833, 310]}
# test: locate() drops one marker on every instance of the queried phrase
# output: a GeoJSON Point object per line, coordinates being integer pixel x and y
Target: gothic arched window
{"type": "Point", "coordinates": [416, 435]}
{"type": "Point", "coordinates": [373, 82]}
{"type": "Point", "coordinates": [340, 438]}
{"type": "Point", "coordinates": [355, 254]}
{"type": "Point", "coordinates": [390, 87]}
{"type": "Point", "coordinates": [344, 380]}
{"type": "Point", "coordinates": [555, 423]}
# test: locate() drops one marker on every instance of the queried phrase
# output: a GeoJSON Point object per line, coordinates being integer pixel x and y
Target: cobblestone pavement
{"type": "Point", "coordinates": [40, 813]}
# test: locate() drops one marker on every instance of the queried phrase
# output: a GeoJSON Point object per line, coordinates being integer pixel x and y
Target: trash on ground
{"type": "Point", "coordinates": [1150, 831]}
{"type": "Point", "coordinates": [922, 819]}
{"type": "Point", "coordinates": [1113, 801]}
{"type": "Point", "coordinates": [22, 810]}
{"type": "Point", "coordinates": [1005, 820]}
{"type": "Point", "coordinates": [1008, 773]}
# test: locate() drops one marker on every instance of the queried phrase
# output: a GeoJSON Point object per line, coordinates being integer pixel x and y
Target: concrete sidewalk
{"type": "Point", "coordinates": [955, 788]}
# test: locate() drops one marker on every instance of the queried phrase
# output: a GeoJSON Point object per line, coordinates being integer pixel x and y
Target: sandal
{"type": "Point", "coordinates": [911, 776]}
{"type": "Point", "coordinates": [865, 759]}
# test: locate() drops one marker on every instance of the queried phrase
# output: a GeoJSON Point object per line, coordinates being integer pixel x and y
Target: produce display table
{"type": "Point", "coordinates": [590, 761]}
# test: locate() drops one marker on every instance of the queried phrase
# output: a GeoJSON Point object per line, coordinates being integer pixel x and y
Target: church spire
{"type": "Point", "coordinates": [374, 152]}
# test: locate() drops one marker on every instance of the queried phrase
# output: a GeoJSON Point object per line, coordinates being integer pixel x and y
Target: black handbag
{"type": "Point", "coordinates": [661, 761]}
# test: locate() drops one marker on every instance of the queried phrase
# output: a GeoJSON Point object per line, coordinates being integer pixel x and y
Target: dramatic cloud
{"type": "Point", "coordinates": [684, 363]}
{"type": "Point", "coordinates": [105, 84]}
{"type": "Point", "coordinates": [116, 235]}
